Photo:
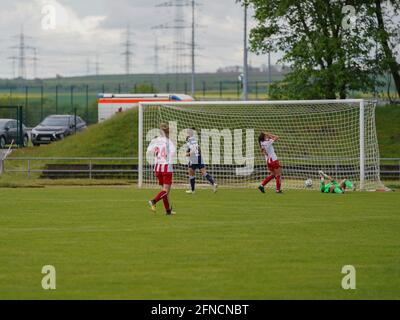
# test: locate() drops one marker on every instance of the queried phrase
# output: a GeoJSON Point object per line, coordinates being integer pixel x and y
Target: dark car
{"type": "Point", "coordinates": [55, 128]}
{"type": "Point", "coordinates": [9, 132]}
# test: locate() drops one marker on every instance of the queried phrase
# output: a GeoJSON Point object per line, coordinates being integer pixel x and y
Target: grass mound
{"type": "Point", "coordinates": [116, 137]}
{"type": "Point", "coordinates": [388, 128]}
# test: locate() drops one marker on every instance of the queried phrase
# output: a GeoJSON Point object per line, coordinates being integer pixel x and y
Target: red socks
{"type": "Point", "coordinates": [160, 196]}
{"type": "Point", "coordinates": [278, 183]}
{"type": "Point", "coordinates": [164, 196]}
{"type": "Point", "coordinates": [266, 180]}
{"type": "Point", "coordinates": [166, 204]}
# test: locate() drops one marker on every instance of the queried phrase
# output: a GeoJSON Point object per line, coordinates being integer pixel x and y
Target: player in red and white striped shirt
{"type": "Point", "coordinates": [163, 151]}
{"type": "Point", "coordinates": [266, 141]}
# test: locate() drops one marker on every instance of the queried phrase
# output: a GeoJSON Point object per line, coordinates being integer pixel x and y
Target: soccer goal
{"type": "Point", "coordinates": [336, 136]}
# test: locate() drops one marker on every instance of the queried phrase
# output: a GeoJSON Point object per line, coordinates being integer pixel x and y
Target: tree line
{"type": "Point", "coordinates": [332, 46]}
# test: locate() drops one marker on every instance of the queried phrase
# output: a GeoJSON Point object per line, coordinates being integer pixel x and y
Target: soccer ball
{"type": "Point", "coordinates": [308, 183]}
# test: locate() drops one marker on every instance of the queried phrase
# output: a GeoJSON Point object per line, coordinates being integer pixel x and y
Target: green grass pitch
{"type": "Point", "coordinates": [236, 244]}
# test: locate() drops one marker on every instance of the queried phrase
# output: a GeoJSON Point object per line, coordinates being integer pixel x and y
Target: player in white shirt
{"type": "Point", "coordinates": [163, 151]}
{"type": "Point", "coordinates": [266, 141]}
{"type": "Point", "coordinates": [193, 152]}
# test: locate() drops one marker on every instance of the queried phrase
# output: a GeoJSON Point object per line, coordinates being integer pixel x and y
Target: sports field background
{"type": "Point", "coordinates": [236, 244]}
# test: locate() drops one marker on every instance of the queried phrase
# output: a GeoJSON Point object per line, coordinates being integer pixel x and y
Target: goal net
{"type": "Point", "coordinates": [336, 136]}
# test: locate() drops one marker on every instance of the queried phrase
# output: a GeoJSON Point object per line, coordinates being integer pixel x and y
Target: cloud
{"type": "Point", "coordinates": [88, 29]}
{"type": "Point", "coordinates": [67, 21]}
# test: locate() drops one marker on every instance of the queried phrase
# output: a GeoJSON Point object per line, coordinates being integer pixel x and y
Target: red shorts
{"type": "Point", "coordinates": [164, 178]}
{"type": "Point", "coordinates": [273, 165]}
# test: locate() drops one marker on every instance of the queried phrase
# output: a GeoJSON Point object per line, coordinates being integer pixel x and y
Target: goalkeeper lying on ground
{"type": "Point", "coordinates": [329, 185]}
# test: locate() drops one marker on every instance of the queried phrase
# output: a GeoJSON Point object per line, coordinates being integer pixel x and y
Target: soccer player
{"type": "Point", "coordinates": [266, 141]}
{"type": "Point", "coordinates": [329, 185]}
{"type": "Point", "coordinates": [193, 153]}
{"type": "Point", "coordinates": [163, 151]}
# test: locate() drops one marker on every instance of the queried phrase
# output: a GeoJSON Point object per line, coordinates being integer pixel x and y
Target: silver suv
{"type": "Point", "coordinates": [55, 128]}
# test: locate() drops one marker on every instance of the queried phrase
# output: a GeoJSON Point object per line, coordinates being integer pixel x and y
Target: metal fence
{"type": "Point", "coordinates": [117, 168]}
{"type": "Point", "coordinates": [43, 100]}
{"type": "Point", "coordinates": [390, 168]}
{"type": "Point", "coordinates": [80, 168]}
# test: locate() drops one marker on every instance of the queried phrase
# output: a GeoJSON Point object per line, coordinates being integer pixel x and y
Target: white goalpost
{"type": "Point", "coordinates": [336, 136]}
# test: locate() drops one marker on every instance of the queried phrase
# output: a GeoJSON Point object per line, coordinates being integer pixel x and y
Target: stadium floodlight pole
{"type": "Point", "coordinates": [193, 48]}
{"type": "Point", "coordinates": [140, 147]}
{"type": "Point", "coordinates": [362, 145]}
{"type": "Point", "coordinates": [269, 73]}
{"type": "Point", "coordinates": [245, 58]}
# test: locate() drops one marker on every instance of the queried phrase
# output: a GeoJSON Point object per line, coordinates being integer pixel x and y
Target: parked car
{"type": "Point", "coordinates": [55, 128]}
{"type": "Point", "coordinates": [9, 132]}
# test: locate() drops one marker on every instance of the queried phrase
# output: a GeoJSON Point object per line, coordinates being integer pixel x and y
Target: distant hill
{"type": "Point", "coordinates": [161, 81]}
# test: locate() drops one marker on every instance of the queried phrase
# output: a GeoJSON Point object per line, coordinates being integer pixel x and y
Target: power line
{"type": "Point", "coordinates": [178, 25]}
{"type": "Point", "coordinates": [87, 67]}
{"type": "Point", "coordinates": [128, 52]}
{"type": "Point", "coordinates": [156, 56]}
{"type": "Point", "coordinates": [157, 49]}
{"type": "Point", "coordinates": [97, 65]}
{"type": "Point", "coordinates": [22, 47]}
{"type": "Point", "coordinates": [21, 58]}
{"type": "Point", "coordinates": [35, 60]}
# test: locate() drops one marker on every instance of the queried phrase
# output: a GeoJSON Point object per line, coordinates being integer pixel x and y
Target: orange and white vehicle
{"type": "Point", "coordinates": [109, 104]}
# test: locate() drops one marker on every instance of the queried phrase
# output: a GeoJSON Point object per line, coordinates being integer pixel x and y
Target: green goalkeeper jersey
{"type": "Point", "coordinates": [325, 187]}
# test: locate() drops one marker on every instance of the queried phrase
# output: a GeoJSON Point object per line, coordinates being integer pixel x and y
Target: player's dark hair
{"type": "Point", "coordinates": [261, 138]}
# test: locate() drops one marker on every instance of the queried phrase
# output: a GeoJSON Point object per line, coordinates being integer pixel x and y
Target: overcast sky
{"type": "Point", "coordinates": [90, 28]}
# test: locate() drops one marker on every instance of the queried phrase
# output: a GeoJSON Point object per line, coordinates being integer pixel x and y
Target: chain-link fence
{"type": "Point", "coordinates": [43, 100]}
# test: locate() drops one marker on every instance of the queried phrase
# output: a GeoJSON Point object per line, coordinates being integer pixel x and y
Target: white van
{"type": "Point", "coordinates": [110, 104]}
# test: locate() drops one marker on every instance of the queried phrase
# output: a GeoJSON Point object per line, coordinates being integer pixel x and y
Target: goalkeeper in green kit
{"type": "Point", "coordinates": [329, 185]}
